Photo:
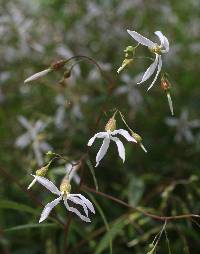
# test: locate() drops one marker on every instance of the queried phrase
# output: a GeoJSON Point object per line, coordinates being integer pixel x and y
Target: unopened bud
{"type": "Point", "coordinates": [58, 65]}
{"type": "Point", "coordinates": [37, 75]}
{"type": "Point", "coordinates": [165, 85]}
{"type": "Point", "coordinates": [126, 62]}
{"type": "Point", "coordinates": [111, 125]}
{"type": "Point", "coordinates": [67, 74]}
{"type": "Point", "coordinates": [138, 138]}
{"type": "Point", "coordinates": [65, 186]}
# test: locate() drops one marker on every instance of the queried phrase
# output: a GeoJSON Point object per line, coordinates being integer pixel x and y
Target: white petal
{"type": "Point", "coordinates": [86, 201]}
{"type": "Point", "coordinates": [48, 184]}
{"type": "Point", "coordinates": [120, 148]}
{"type": "Point", "coordinates": [24, 122]}
{"type": "Point", "coordinates": [48, 208]}
{"type": "Point", "coordinates": [74, 210]}
{"type": "Point", "coordinates": [98, 135]}
{"type": "Point", "coordinates": [150, 70]}
{"type": "Point", "coordinates": [102, 151]}
{"type": "Point", "coordinates": [125, 134]}
{"type": "Point", "coordinates": [157, 73]}
{"type": "Point", "coordinates": [165, 45]}
{"type": "Point", "coordinates": [78, 201]}
{"type": "Point", "coordinates": [45, 147]}
{"type": "Point", "coordinates": [23, 140]}
{"type": "Point", "coordinates": [32, 183]}
{"type": "Point", "coordinates": [39, 126]}
{"type": "Point", "coordinates": [164, 41]}
{"type": "Point", "coordinates": [141, 39]}
{"type": "Point", "coordinates": [37, 75]}
{"type": "Point", "coordinates": [161, 37]}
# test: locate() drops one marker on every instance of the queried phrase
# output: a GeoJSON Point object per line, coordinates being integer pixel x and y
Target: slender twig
{"type": "Point", "coordinates": [140, 210]}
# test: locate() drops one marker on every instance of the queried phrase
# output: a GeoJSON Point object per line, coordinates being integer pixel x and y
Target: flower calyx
{"type": "Point", "coordinates": [111, 125]}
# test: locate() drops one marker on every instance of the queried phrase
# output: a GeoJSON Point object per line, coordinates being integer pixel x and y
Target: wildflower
{"type": "Point", "coordinates": [183, 126]}
{"type": "Point", "coordinates": [32, 137]}
{"type": "Point", "coordinates": [64, 194]}
{"type": "Point", "coordinates": [109, 135]}
{"type": "Point", "coordinates": [154, 48]}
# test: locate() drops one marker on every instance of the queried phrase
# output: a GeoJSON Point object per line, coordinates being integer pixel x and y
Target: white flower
{"type": "Point", "coordinates": [156, 49]}
{"type": "Point", "coordinates": [31, 137]}
{"type": "Point", "coordinates": [64, 194]}
{"type": "Point", "coordinates": [37, 75]}
{"type": "Point", "coordinates": [71, 169]}
{"type": "Point", "coordinates": [183, 127]}
{"type": "Point", "coordinates": [107, 136]}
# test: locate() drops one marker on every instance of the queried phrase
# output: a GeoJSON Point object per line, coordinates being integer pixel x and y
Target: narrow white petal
{"type": "Point", "coordinates": [98, 135]}
{"type": "Point", "coordinates": [102, 151]}
{"type": "Point", "coordinates": [48, 208]}
{"type": "Point", "coordinates": [78, 201]}
{"type": "Point", "coordinates": [47, 184]}
{"type": "Point", "coordinates": [148, 73]}
{"type": "Point", "coordinates": [74, 210]}
{"type": "Point", "coordinates": [141, 39]}
{"type": "Point", "coordinates": [86, 201]}
{"type": "Point", "coordinates": [37, 75]}
{"type": "Point", "coordinates": [24, 122]}
{"type": "Point", "coordinates": [157, 73]}
{"type": "Point", "coordinates": [164, 41]}
{"type": "Point", "coordinates": [143, 148]}
{"type": "Point", "coordinates": [161, 37]}
{"type": "Point", "coordinates": [125, 134]}
{"type": "Point", "coordinates": [165, 45]}
{"type": "Point", "coordinates": [170, 103]}
{"type": "Point", "coordinates": [32, 183]}
{"type": "Point", "coordinates": [120, 148]}
{"type": "Point", "coordinates": [23, 140]}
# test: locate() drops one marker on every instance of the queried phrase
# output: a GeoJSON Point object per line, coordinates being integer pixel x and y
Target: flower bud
{"type": "Point", "coordinates": [58, 65]}
{"type": "Point", "coordinates": [111, 125]}
{"type": "Point", "coordinates": [138, 138]}
{"type": "Point", "coordinates": [126, 62]}
{"type": "Point", "coordinates": [165, 85]}
{"type": "Point", "coordinates": [37, 75]}
{"type": "Point", "coordinates": [65, 186]}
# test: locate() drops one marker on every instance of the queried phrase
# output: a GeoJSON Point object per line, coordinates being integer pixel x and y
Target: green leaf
{"type": "Point", "coordinates": [135, 190]}
{"type": "Point", "coordinates": [101, 247]}
{"type": "Point", "coordinates": [28, 226]}
{"type": "Point", "coordinates": [116, 228]}
{"type": "Point", "coordinates": [8, 204]}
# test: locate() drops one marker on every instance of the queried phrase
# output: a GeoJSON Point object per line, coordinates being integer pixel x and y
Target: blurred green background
{"type": "Point", "coordinates": [165, 181]}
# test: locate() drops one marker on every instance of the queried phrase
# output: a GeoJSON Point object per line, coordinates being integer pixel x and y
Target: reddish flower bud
{"type": "Point", "coordinates": [58, 65]}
